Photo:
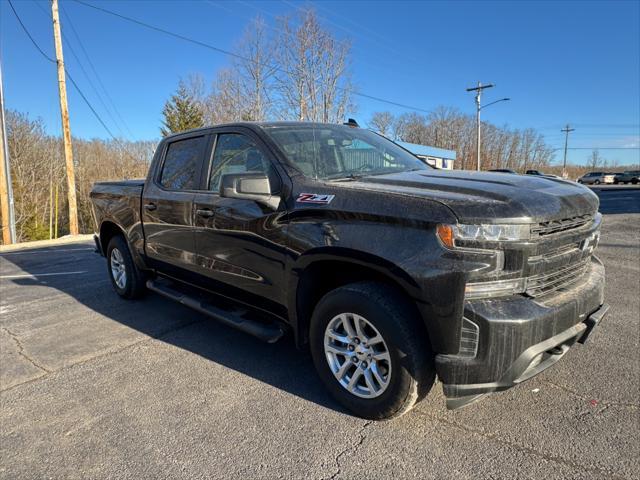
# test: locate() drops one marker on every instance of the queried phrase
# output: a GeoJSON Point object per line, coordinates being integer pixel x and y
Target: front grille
{"type": "Point", "coordinates": [557, 226]}
{"type": "Point", "coordinates": [539, 285]}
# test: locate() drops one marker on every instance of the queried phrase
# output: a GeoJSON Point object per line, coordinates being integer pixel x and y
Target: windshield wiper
{"type": "Point", "coordinates": [345, 178]}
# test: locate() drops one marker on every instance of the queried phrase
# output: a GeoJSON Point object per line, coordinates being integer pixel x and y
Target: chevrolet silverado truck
{"type": "Point", "coordinates": [390, 272]}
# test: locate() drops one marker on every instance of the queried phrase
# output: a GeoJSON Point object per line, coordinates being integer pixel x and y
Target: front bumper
{"type": "Point", "coordinates": [512, 339]}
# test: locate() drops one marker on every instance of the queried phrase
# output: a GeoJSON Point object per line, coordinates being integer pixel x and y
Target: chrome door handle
{"type": "Point", "coordinates": [205, 212]}
{"type": "Point", "coordinates": [150, 206]}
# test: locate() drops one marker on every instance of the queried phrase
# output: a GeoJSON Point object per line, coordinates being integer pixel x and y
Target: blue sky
{"type": "Point", "coordinates": [575, 61]}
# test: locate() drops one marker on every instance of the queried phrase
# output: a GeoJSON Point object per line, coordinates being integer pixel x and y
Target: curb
{"type": "Point", "coordinates": [66, 240]}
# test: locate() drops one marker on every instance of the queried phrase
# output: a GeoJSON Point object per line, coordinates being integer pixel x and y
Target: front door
{"type": "Point", "coordinates": [167, 205]}
{"type": "Point", "coordinates": [240, 243]}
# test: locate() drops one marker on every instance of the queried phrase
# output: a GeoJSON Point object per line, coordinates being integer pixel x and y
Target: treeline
{"type": "Point", "coordinates": [38, 172]}
{"type": "Point", "coordinates": [451, 129]}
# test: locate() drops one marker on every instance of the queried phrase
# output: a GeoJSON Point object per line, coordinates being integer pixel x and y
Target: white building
{"type": "Point", "coordinates": [436, 157]}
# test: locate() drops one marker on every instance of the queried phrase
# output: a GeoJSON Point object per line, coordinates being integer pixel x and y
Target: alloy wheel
{"type": "Point", "coordinates": [357, 355]}
{"type": "Point", "coordinates": [118, 270]}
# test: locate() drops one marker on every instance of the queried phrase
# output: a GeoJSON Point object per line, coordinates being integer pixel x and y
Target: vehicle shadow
{"type": "Point", "coordinates": [280, 365]}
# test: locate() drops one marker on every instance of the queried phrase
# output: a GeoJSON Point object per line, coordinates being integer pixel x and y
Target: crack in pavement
{"type": "Point", "coordinates": [607, 403]}
{"type": "Point", "coordinates": [22, 352]}
{"type": "Point", "coordinates": [349, 450]}
{"type": "Point", "coordinates": [90, 359]}
{"type": "Point", "coordinates": [551, 458]}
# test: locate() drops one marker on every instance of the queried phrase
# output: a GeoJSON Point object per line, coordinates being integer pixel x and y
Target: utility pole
{"type": "Point", "coordinates": [566, 131]}
{"type": "Point", "coordinates": [6, 191]}
{"type": "Point", "coordinates": [66, 129]}
{"type": "Point", "coordinates": [478, 91]}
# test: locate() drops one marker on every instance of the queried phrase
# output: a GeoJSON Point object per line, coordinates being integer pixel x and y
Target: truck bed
{"type": "Point", "coordinates": [119, 202]}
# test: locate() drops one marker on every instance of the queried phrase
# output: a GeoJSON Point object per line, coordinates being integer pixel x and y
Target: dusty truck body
{"type": "Point", "coordinates": [390, 272]}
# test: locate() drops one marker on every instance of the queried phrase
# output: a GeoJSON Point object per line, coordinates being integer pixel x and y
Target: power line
{"type": "Point", "coordinates": [95, 90]}
{"type": "Point", "coordinates": [91, 107]}
{"type": "Point", "coordinates": [235, 55]}
{"type": "Point", "coordinates": [93, 87]}
{"type": "Point", "coordinates": [35, 44]}
{"type": "Point", "coordinates": [47, 57]}
{"type": "Point", "coordinates": [95, 72]}
{"type": "Point", "coordinates": [594, 125]}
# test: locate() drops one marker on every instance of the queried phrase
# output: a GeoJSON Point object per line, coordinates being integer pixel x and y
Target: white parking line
{"type": "Point", "coordinates": [47, 251]}
{"type": "Point", "coordinates": [33, 275]}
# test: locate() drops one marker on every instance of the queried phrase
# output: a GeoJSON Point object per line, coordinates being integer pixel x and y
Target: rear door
{"type": "Point", "coordinates": [241, 243]}
{"type": "Point", "coordinates": [167, 204]}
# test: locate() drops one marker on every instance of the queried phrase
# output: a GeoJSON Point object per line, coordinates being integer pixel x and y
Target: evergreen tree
{"type": "Point", "coordinates": [181, 112]}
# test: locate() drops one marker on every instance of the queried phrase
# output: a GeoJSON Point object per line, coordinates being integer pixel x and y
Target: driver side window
{"type": "Point", "coordinates": [237, 153]}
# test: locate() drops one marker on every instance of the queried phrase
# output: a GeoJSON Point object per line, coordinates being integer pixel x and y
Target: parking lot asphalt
{"type": "Point", "coordinates": [96, 387]}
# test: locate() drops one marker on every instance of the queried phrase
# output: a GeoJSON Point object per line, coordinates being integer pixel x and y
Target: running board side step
{"type": "Point", "coordinates": [268, 332]}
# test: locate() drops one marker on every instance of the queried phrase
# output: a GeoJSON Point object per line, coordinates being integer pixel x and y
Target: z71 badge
{"type": "Point", "coordinates": [314, 198]}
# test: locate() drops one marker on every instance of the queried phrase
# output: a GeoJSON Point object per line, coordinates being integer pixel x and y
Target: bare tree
{"type": "Point", "coordinates": [382, 122]}
{"type": "Point", "coordinates": [313, 79]}
{"type": "Point", "coordinates": [226, 102]}
{"type": "Point", "coordinates": [447, 127]}
{"type": "Point", "coordinates": [595, 160]}
{"type": "Point", "coordinates": [256, 69]}
{"type": "Point", "coordinates": [411, 127]}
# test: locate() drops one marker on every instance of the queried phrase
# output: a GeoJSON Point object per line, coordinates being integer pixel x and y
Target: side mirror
{"type": "Point", "coordinates": [249, 186]}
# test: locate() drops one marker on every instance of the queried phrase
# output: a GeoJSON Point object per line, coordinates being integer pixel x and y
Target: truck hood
{"type": "Point", "coordinates": [485, 197]}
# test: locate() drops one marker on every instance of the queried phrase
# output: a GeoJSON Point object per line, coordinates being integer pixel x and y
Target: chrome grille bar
{"type": "Point", "coordinates": [557, 226]}
{"type": "Point", "coordinates": [549, 282]}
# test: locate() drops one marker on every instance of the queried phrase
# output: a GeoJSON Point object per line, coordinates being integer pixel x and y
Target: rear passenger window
{"type": "Point", "coordinates": [182, 164]}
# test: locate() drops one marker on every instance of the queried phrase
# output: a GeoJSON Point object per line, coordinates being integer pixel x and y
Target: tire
{"type": "Point", "coordinates": [407, 367]}
{"type": "Point", "coordinates": [580, 182]}
{"type": "Point", "coordinates": [634, 181]}
{"type": "Point", "coordinates": [130, 285]}
{"type": "Point", "coordinates": [597, 182]}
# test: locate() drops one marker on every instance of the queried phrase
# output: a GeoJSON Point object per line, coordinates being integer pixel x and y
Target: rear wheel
{"type": "Point", "coordinates": [126, 278]}
{"type": "Point", "coordinates": [634, 181]}
{"type": "Point", "coordinates": [597, 182]}
{"type": "Point", "coordinates": [371, 350]}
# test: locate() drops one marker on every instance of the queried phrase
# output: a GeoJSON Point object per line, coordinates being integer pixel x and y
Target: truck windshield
{"type": "Point", "coordinates": [335, 152]}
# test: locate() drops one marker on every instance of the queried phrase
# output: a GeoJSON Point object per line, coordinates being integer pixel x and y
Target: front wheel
{"type": "Point", "coordinates": [597, 182]}
{"type": "Point", "coordinates": [371, 350]}
{"type": "Point", "coordinates": [126, 278]}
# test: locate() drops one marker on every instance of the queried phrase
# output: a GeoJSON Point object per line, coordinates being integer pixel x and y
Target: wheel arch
{"type": "Point", "coordinates": [316, 273]}
{"type": "Point", "coordinates": [108, 230]}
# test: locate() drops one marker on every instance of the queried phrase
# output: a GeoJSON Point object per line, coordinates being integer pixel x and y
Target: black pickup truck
{"type": "Point", "coordinates": [389, 271]}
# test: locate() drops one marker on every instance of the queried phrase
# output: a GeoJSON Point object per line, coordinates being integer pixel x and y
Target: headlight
{"type": "Point", "coordinates": [448, 234]}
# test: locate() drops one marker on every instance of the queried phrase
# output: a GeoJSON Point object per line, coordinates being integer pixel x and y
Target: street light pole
{"type": "Point", "coordinates": [566, 131]}
{"type": "Point", "coordinates": [478, 91]}
{"type": "Point", "coordinates": [479, 107]}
